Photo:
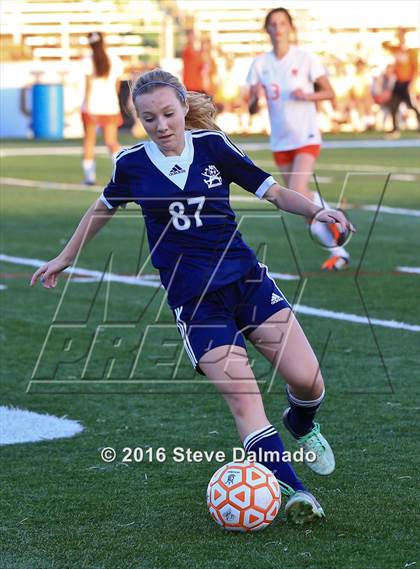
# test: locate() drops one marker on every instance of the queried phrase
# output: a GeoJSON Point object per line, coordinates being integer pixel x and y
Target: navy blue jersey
{"type": "Point", "coordinates": [191, 228]}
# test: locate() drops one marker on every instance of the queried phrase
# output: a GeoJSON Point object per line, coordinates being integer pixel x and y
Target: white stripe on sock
{"type": "Point", "coordinates": [256, 436]}
{"type": "Point", "coordinates": [321, 231]}
{"type": "Point", "coordinates": [302, 402]}
{"type": "Point", "coordinates": [258, 439]}
{"type": "Point", "coordinates": [324, 235]}
{"type": "Point", "coordinates": [320, 202]}
{"type": "Point", "coordinates": [340, 252]}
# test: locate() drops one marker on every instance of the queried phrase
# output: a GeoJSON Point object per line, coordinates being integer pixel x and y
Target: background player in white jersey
{"type": "Point", "coordinates": [287, 75]}
{"type": "Point", "coordinates": [219, 293]}
{"type": "Point", "coordinates": [100, 106]}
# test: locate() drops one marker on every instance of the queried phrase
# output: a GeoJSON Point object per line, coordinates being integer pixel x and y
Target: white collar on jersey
{"type": "Point", "coordinates": [175, 168]}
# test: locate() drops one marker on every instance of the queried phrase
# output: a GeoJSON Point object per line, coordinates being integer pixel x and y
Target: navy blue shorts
{"type": "Point", "coordinates": [226, 316]}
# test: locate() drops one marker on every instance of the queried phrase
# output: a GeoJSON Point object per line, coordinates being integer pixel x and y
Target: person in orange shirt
{"type": "Point", "coordinates": [406, 67]}
{"type": "Point", "coordinates": [193, 61]}
{"type": "Point", "coordinates": [210, 79]}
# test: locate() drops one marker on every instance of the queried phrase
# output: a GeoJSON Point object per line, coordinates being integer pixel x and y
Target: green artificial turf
{"type": "Point", "coordinates": [62, 507]}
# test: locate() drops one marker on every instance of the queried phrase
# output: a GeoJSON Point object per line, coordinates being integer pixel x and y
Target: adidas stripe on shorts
{"type": "Point", "coordinates": [228, 315]}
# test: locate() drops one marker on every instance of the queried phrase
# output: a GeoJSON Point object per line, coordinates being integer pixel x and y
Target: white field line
{"type": "Point", "coordinates": [102, 152]}
{"type": "Point", "coordinates": [308, 310]}
{"type": "Point", "coordinates": [393, 210]}
{"type": "Point", "coordinates": [404, 177]}
{"type": "Point", "coordinates": [87, 275]}
{"type": "Point", "coordinates": [344, 144]}
{"type": "Point", "coordinates": [57, 186]}
{"type": "Point", "coordinates": [107, 277]}
{"type": "Point", "coordinates": [41, 185]}
{"type": "Point", "coordinates": [67, 187]}
{"type": "Point", "coordinates": [285, 276]}
{"type": "Point", "coordinates": [379, 169]}
{"type": "Point", "coordinates": [325, 179]}
{"type": "Point", "coordinates": [396, 176]}
{"type": "Point", "coordinates": [411, 270]}
{"type": "Point", "coordinates": [48, 151]}
{"type": "Point", "coordinates": [359, 168]}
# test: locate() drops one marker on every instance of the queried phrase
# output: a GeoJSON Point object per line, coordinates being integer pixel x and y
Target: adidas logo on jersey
{"type": "Point", "coordinates": [176, 170]}
{"type": "Point", "coordinates": [275, 298]}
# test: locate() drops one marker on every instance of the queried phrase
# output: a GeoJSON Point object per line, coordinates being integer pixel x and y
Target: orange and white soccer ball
{"type": "Point", "coordinates": [243, 496]}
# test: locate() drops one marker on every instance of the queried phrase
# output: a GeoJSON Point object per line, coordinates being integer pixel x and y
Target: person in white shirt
{"type": "Point", "coordinates": [100, 107]}
{"type": "Point", "coordinates": [287, 74]}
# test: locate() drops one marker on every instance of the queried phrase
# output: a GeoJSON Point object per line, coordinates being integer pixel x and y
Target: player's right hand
{"type": "Point", "coordinates": [48, 273]}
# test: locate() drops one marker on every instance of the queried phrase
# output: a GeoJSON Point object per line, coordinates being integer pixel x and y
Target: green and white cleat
{"type": "Point", "coordinates": [286, 490]}
{"type": "Point", "coordinates": [303, 508]}
{"type": "Point", "coordinates": [317, 453]}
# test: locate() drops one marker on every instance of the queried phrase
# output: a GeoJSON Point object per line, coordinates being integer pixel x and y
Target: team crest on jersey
{"type": "Point", "coordinates": [212, 176]}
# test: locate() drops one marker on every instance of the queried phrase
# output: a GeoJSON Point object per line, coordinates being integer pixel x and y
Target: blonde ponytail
{"type": "Point", "coordinates": [201, 112]}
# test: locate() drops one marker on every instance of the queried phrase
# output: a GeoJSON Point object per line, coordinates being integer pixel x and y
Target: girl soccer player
{"type": "Point", "coordinates": [287, 75]}
{"type": "Point", "coordinates": [100, 106]}
{"type": "Point", "coordinates": [219, 293]}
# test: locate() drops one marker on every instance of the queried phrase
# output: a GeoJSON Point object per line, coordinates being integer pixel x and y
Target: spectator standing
{"type": "Point", "coordinates": [193, 65]}
{"type": "Point", "coordinates": [406, 68]}
{"type": "Point", "coordinates": [209, 69]}
{"type": "Point", "coordinates": [382, 91]}
{"type": "Point", "coordinates": [361, 97]}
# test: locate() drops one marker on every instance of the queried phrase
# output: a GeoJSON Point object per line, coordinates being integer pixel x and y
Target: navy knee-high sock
{"type": "Point", "coordinates": [267, 439]}
{"type": "Point", "coordinates": [302, 413]}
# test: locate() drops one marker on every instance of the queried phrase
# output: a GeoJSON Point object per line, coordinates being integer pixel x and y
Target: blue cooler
{"type": "Point", "coordinates": [48, 111]}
